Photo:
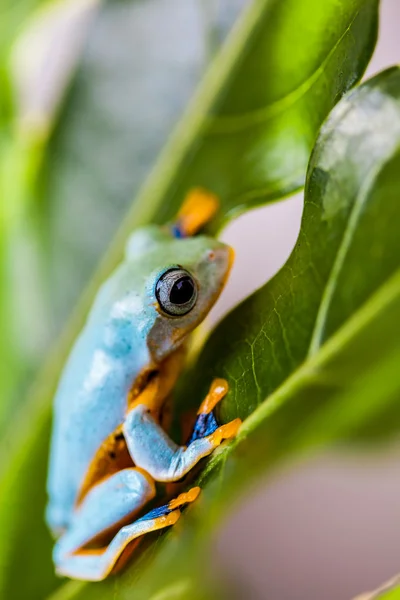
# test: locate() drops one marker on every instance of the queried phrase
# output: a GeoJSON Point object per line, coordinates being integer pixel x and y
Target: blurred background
{"type": "Point", "coordinates": [327, 529]}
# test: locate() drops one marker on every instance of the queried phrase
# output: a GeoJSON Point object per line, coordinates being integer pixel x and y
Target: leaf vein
{"type": "Point", "coordinates": [231, 124]}
{"type": "Point", "coordinates": [344, 246]}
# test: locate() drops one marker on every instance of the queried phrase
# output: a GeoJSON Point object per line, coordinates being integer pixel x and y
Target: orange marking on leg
{"type": "Point", "coordinates": [198, 208]}
{"type": "Point", "coordinates": [225, 432]}
{"type": "Point", "coordinates": [218, 389]}
{"type": "Point", "coordinates": [184, 498]}
{"type": "Point", "coordinates": [111, 457]}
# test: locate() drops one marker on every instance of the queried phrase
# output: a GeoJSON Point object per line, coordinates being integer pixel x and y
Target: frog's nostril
{"type": "Point", "coordinates": [211, 255]}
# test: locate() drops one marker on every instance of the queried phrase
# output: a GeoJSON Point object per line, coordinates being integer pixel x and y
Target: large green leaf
{"type": "Point", "coordinates": [345, 267]}
{"type": "Point", "coordinates": [247, 136]}
{"type": "Point", "coordinates": [391, 595]}
{"type": "Point", "coordinates": [261, 106]}
{"type": "Point", "coordinates": [343, 254]}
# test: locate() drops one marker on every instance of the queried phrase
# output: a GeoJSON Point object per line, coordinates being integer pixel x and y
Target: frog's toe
{"type": "Point", "coordinates": [218, 390]}
{"type": "Point", "coordinates": [225, 432]}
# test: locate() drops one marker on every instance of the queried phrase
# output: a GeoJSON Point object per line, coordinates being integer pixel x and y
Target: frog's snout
{"type": "Point", "coordinates": [221, 258]}
{"type": "Point", "coordinates": [221, 252]}
{"type": "Point", "coordinates": [215, 268]}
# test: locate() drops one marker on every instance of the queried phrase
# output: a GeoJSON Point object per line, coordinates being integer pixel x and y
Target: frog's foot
{"type": "Point", "coordinates": [95, 565]}
{"type": "Point", "coordinates": [198, 208]}
{"type": "Point", "coordinates": [206, 425]}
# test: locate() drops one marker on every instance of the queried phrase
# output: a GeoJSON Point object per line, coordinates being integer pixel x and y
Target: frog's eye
{"type": "Point", "coordinates": [176, 292]}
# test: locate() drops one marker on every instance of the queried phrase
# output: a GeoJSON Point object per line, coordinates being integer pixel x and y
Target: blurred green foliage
{"type": "Point", "coordinates": [312, 356]}
{"type": "Point", "coordinates": [391, 595]}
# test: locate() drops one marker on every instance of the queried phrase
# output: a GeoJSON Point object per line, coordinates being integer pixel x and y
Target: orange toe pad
{"type": "Point", "coordinates": [225, 432]}
{"type": "Point", "coordinates": [184, 498]}
{"type": "Point", "coordinates": [218, 389]}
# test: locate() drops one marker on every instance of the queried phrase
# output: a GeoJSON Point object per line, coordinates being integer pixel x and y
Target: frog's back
{"type": "Point", "coordinates": [92, 395]}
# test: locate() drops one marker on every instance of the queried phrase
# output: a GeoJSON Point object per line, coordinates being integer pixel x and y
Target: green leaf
{"type": "Point", "coordinates": [24, 318]}
{"type": "Point", "coordinates": [335, 305]}
{"type": "Point", "coordinates": [343, 254]}
{"type": "Point", "coordinates": [260, 107]}
{"type": "Point", "coordinates": [13, 16]}
{"type": "Point", "coordinates": [391, 595]}
{"type": "Point", "coordinates": [248, 134]}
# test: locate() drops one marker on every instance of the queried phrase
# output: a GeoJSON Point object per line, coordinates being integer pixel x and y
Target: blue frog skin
{"type": "Point", "coordinates": [109, 445]}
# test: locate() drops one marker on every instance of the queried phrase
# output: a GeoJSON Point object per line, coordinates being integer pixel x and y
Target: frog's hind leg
{"type": "Point", "coordinates": [106, 505]}
{"type": "Point", "coordinates": [95, 565]}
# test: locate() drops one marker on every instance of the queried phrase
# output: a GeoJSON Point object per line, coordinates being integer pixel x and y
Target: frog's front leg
{"type": "Point", "coordinates": [154, 451]}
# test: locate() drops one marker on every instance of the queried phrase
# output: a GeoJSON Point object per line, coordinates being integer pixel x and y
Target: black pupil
{"type": "Point", "coordinates": [182, 291]}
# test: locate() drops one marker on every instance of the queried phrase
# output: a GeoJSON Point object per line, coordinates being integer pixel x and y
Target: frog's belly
{"type": "Point", "coordinates": [84, 418]}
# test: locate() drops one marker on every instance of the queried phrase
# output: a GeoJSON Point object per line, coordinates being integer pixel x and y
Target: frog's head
{"type": "Point", "coordinates": [181, 281]}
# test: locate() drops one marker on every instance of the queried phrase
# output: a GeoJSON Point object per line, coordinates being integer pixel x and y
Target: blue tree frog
{"type": "Point", "coordinates": [109, 444]}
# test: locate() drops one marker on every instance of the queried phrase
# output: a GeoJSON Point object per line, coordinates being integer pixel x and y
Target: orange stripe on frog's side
{"type": "Point", "coordinates": [113, 455]}
{"type": "Point", "coordinates": [160, 384]}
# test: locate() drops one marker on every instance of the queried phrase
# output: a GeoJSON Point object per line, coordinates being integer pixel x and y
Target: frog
{"type": "Point", "coordinates": [110, 447]}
